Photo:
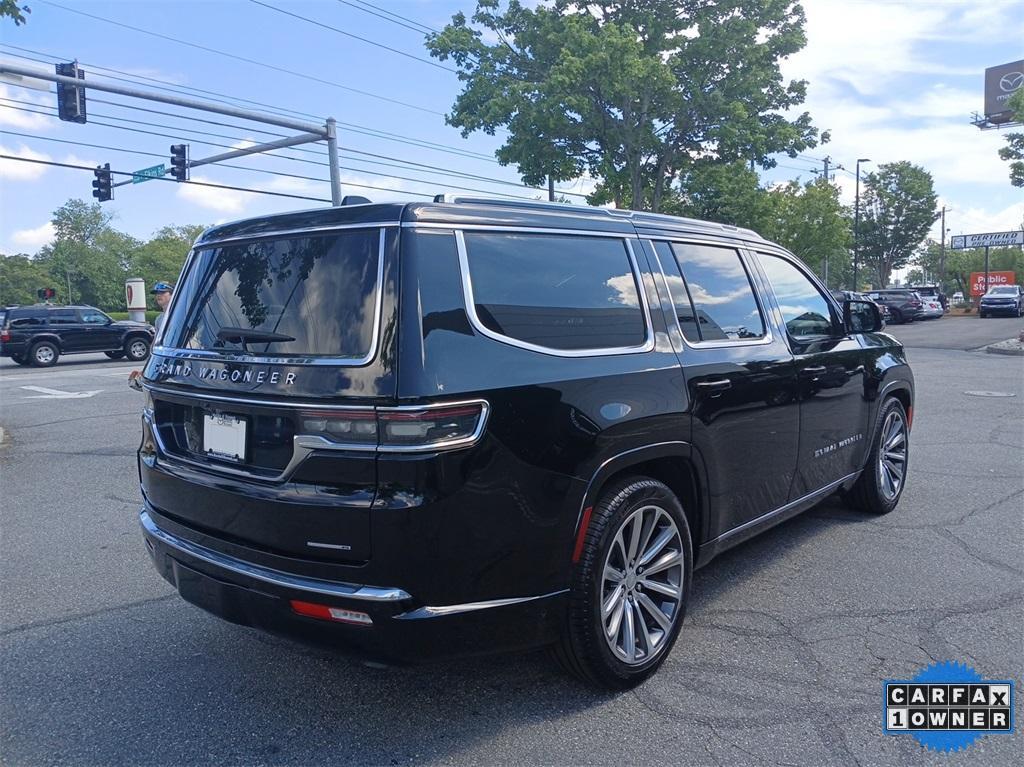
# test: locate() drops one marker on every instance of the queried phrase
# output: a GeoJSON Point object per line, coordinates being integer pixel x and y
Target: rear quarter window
{"type": "Point", "coordinates": [561, 292]}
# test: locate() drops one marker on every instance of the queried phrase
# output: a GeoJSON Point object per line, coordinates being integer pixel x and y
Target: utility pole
{"type": "Point", "coordinates": [856, 225]}
{"type": "Point", "coordinates": [942, 249]}
{"type": "Point", "coordinates": [551, 188]}
{"type": "Point", "coordinates": [826, 162]}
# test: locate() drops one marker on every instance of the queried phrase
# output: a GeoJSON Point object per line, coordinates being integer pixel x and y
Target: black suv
{"type": "Point", "coordinates": [429, 429]}
{"type": "Point", "coordinates": [904, 305]}
{"type": "Point", "coordinates": [39, 335]}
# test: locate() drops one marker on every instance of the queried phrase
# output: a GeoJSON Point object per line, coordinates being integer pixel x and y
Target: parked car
{"type": "Point", "coordinates": [850, 295]}
{"type": "Point", "coordinates": [1002, 299]}
{"type": "Point", "coordinates": [904, 305]}
{"type": "Point", "coordinates": [430, 429]}
{"type": "Point", "coordinates": [927, 292]}
{"type": "Point", "coordinates": [931, 308]}
{"type": "Point", "coordinates": [958, 297]}
{"type": "Point", "coordinates": [40, 334]}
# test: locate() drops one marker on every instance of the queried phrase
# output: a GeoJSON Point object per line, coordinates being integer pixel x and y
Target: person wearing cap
{"type": "Point", "coordinates": [162, 291]}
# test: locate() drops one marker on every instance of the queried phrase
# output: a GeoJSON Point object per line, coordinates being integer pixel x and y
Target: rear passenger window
{"type": "Point", "coordinates": [724, 307]}
{"type": "Point", "coordinates": [63, 317]}
{"type": "Point", "coordinates": [559, 292]}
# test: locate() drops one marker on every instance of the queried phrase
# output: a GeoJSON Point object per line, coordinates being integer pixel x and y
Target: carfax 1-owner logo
{"type": "Point", "coordinates": [947, 706]}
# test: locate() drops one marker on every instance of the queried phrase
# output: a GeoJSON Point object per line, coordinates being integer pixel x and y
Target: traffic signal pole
{"type": "Point", "coordinates": [310, 131]}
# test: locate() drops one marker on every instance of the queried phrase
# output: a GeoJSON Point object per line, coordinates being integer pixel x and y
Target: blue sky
{"type": "Point", "coordinates": [890, 80]}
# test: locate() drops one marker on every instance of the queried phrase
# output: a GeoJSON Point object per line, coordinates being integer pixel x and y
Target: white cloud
{"type": "Point", "coordinates": [14, 114]}
{"type": "Point", "coordinates": [15, 170]}
{"type": "Point", "coordinates": [220, 200]}
{"type": "Point", "coordinates": [33, 239]}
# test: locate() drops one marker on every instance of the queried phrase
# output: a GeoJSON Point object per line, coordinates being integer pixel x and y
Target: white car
{"type": "Point", "coordinates": [931, 308]}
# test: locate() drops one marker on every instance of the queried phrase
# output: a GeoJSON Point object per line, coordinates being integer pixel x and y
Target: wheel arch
{"type": "Point", "coordinates": [676, 464]}
{"type": "Point", "coordinates": [52, 338]}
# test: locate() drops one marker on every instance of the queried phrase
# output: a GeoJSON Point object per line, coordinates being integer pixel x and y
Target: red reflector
{"type": "Point", "coordinates": [910, 417]}
{"type": "Point", "coordinates": [325, 613]}
{"type": "Point", "coordinates": [577, 552]}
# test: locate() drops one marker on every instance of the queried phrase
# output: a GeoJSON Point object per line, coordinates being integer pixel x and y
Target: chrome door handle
{"type": "Point", "coordinates": [816, 370]}
{"type": "Point", "coordinates": [720, 385]}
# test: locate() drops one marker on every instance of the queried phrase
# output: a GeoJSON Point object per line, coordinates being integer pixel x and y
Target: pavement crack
{"type": "Point", "coordinates": [82, 616]}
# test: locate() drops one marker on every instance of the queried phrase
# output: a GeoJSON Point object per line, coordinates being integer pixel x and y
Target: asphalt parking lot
{"type": "Point", "coordinates": [787, 641]}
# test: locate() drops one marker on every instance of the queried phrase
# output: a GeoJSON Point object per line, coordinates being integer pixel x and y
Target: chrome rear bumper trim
{"type": "Point", "coordinates": [266, 574]}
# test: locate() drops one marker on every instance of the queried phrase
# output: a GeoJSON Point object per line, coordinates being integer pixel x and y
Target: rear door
{"type": "Point", "coordinates": [67, 324]}
{"type": "Point", "coordinates": [833, 368]}
{"type": "Point", "coordinates": [741, 381]}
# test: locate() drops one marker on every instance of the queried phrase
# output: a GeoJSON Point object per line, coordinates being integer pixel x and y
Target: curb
{"type": "Point", "coordinates": [1006, 350]}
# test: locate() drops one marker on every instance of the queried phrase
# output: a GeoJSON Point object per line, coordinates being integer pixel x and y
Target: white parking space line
{"type": "Point", "coordinates": [59, 394]}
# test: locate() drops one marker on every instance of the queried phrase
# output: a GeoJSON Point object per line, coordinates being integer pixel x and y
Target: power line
{"type": "Point", "coordinates": [394, 18]}
{"type": "Point", "coordinates": [236, 57]}
{"type": "Point", "coordinates": [157, 178]}
{"type": "Point", "coordinates": [323, 25]}
{"type": "Point", "coordinates": [380, 160]}
{"type": "Point", "coordinates": [355, 128]}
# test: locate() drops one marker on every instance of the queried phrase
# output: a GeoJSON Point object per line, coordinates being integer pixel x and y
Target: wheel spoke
{"type": "Point", "coordinates": [665, 561]}
{"type": "Point", "coordinates": [615, 621]}
{"type": "Point", "coordinates": [619, 544]}
{"type": "Point", "coordinates": [661, 588]}
{"type": "Point", "coordinates": [890, 486]}
{"type": "Point", "coordinates": [659, 543]}
{"type": "Point", "coordinates": [895, 426]}
{"type": "Point", "coordinates": [613, 574]}
{"type": "Point", "coordinates": [628, 633]}
{"type": "Point", "coordinates": [634, 538]}
{"type": "Point", "coordinates": [895, 456]}
{"type": "Point", "coordinates": [894, 470]}
{"type": "Point", "coordinates": [655, 612]}
{"type": "Point", "coordinates": [645, 633]}
{"type": "Point", "coordinates": [894, 442]}
{"type": "Point", "coordinates": [650, 524]}
{"type": "Point", "coordinates": [613, 600]}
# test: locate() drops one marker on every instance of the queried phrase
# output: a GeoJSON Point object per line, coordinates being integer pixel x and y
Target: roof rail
{"type": "Point", "coordinates": [637, 216]}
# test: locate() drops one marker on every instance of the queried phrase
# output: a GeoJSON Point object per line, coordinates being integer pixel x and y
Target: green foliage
{"type": "Point", "coordinates": [20, 278]}
{"type": "Point", "coordinates": [150, 315]}
{"type": "Point", "coordinates": [1013, 152]}
{"type": "Point", "coordinates": [93, 259]}
{"type": "Point", "coordinates": [960, 264]}
{"type": "Point", "coordinates": [10, 9]}
{"type": "Point", "coordinates": [898, 208]}
{"type": "Point", "coordinates": [637, 94]}
{"type": "Point", "coordinates": [728, 194]}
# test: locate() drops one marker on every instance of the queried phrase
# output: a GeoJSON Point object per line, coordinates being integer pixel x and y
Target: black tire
{"type": "Point", "coordinates": [136, 348]}
{"type": "Point", "coordinates": [871, 492]}
{"type": "Point", "coordinates": [983, 315]}
{"type": "Point", "coordinates": [114, 355]}
{"type": "Point", "coordinates": [897, 317]}
{"type": "Point", "coordinates": [583, 649]}
{"type": "Point", "coordinates": [19, 360]}
{"type": "Point", "coordinates": [44, 354]}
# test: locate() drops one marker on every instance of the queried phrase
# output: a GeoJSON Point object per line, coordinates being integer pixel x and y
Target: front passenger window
{"type": "Point", "coordinates": [805, 311]}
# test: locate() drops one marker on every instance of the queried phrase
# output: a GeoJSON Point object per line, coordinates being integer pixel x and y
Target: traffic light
{"type": "Point", "coordinates": [101, 184]}
{"type": "Point", "coordinates": [179, 162]}
{"type": "Point", "coordinates": [71, 98]}
{"type": "Point", "coordinates": [45, 294]}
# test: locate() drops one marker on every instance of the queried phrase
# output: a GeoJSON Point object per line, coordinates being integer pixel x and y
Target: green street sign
{"type": "Point", "coordinates": [148, 174]}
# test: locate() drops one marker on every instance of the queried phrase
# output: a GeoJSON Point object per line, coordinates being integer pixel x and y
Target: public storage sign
{"type": "Point", "coordinates": [994, 278]}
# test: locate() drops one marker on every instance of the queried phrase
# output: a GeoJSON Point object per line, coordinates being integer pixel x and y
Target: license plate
{"type": "Point", "coordinates": [224, 437]}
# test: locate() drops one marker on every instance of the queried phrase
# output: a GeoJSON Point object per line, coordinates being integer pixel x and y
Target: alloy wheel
{"type": "Point", "coordinates": [892, 455]}
{"type": "Point", "coordinates": [138, 350]}
{"type": "Point", "coordinates": [642, 585]}
{"type": "Point", "coordinates": [44, 355]}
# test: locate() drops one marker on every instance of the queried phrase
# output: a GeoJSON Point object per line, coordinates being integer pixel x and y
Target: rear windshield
{"type": "Point", "coordinates": [313, 296]}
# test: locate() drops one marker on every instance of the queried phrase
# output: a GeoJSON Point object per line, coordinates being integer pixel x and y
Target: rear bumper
{"type": "Point", "coordinates": [402, 629]}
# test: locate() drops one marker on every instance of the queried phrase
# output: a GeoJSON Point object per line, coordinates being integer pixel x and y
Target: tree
{"type": "Point", "coordinates": [634, 93]}
{"type": "Point", "coordinates": [1013, 152]}
{"type": "Point", "coordinates": [960, 264]}
{"type": "Point", "coordinates": [10, 9]}
{"type": "Point", "coordinates": [810, 221]}
{"type": "Point", "coordinates": [162, 257]}
{"type": "Point", "coordinates": [897, 210]}
{"type": "Point", "coordinates": [729, 194]}
{"type": "Point", "coordinates": [20, 278]}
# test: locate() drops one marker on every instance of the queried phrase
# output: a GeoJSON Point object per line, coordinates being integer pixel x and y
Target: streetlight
{"type": "Point", "coordinates": [856, 224]}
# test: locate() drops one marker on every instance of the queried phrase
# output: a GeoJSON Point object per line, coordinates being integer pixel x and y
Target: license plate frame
{"type": "Point", "coordinates": [225, 436]}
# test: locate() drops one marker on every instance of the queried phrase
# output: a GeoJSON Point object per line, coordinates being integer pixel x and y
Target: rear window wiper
{"type": "Point", "coordinates": [244, 336]}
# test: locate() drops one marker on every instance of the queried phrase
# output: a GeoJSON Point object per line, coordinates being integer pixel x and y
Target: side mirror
{"type": "Point", "coordinates": [862, 317]}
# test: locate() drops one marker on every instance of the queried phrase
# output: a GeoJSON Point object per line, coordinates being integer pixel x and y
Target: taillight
{"type": "Point", "coordinates": [351, 427]}
{"type": "Point", "coordinates": [328, 613]}
{"type": "Point", "coordinates": [5, 335]}
{"type": "Point", "coordinates": [399, 429]}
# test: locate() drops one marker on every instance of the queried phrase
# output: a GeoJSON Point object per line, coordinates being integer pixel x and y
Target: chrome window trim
{"type": "Point", "coordinates": [269, 575]}
{"type": "Point", "coordinates": [768, 337]}
{"type": "Point", "coordinates": [309, 361]}
{"type": "Point", "coordinates": [468, 226]}
{"type": "Point", "coordinates": [474, 319]}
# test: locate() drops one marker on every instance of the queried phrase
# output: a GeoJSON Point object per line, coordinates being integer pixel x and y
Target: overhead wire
{"type": "Point", "coordinates": [324, 25]}
{"type": "Point", "coordinates": [390, 16]}
{"type": "Point", "coordinates": [159, 178]}
{"type": "Point", "coordinates": [244, 59]}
